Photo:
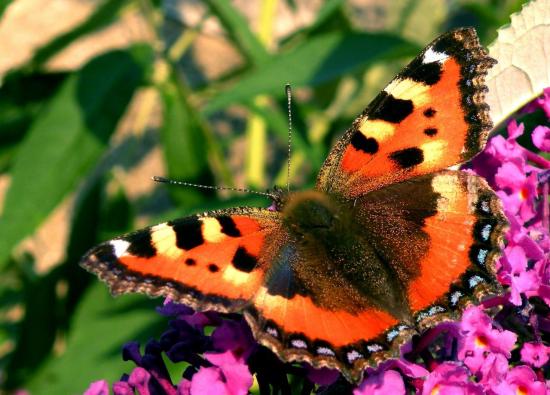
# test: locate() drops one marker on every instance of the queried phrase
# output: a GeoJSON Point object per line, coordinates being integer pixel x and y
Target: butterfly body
{"type": "Point", "coordinates": [388, 243]}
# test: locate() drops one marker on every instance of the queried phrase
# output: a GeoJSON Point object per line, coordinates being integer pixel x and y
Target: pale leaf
{"type": "Point", "coordinates": [523, 53]}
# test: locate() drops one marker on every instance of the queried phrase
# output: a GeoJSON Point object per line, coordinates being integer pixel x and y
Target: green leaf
{"type": "Point", "coordinates": [101, 326]}
{"type": "Point", "coordinates": [40, 310]}
{"type": "Point", "coordinates": [316, 61]}
{"type": "Point", "coordinates": [104, 15]}
{"type": "Point", "coordinates": [65, 141]}
{"type": "Point", "coordinates": [4, 5]}
{"type": "Point", "coordinates": [237, 28]}
{"type": "Point", "coordinates": [183, 142]}
{"type": "Point", "coordinates": [418, 21]}
{"type": "Point", "coordinates": [327, 10]}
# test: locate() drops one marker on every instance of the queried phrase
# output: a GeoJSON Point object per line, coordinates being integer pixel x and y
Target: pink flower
{"type": "Point", "coordinates": [493, 371]}
{"type": "Point", "coordinates": [543, 269]}
{"type": "Point", "coordinates": [521, 380]}
{"type": "Point", "coordinates": [517, 275]}
{"type": "Point", "coordinates": [405, 367]}
{"type": "Point", "coordinates": [139, 379]}
{"type": "Point", "coordinates": [479, 339]}
{"type": "Point", "coordinates": [541, 138]}
{"type": "Point", "coordinates": [507, 149]}
{"type": "Point", "coordinates": [100, 387]}
{"type": "Point", "coordinates": [211, 381]}
{"type": "Point", "coordinates": [229, 375]}
{"type": "Point", "coordinates": [535, 354]}
{"type": "Point", "coordinates": [384, 383]}
{"type": "Point", "coordinates": [122, 388]}
{"type": "Point", "coordinates": [450, 379]}
{"type": "Point", "coordinates": [517, 190]}
{"type": "Point", "coordinates": [542, 102]}
{"type": "Point", "coordinates": [184, 387]}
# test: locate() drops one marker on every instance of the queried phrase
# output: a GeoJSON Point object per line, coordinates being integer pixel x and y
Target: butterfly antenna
{"type": "Point", "coordinates": [288, 91]}
{"type": "Point", "coordinates": [216, 188]}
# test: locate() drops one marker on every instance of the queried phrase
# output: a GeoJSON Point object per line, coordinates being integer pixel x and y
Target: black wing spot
{"type": "Point", "coordinates": [391, 109]}
{"type": "Point", "coordinates": [365, 144]}
{"type": "Point", "coordinates": [425, 73]}
{"type": "Point", "coordinates": [244, 261]}
{"type": "Point", "coordinates": [408, 157]}
{"type": "Point", "coordinates": [190, 262]}
{"type": "Point", "coordinates": [141, 244]}
{"type": "Point", "coordinates": [430, 132]}
{"type": "Point", "coordinates": [228, 226]}
{"type": "Point", "coordinates": [188, 232]}
{"type": "Point", "coordinates": [429, 112]}
{"type": "Point", "coordinates": [213, 268]}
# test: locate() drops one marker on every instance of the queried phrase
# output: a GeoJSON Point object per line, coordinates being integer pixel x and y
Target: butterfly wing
{"type": "Point", "coordinates": [211, 261]}
{"type": "Point", "coordinates": [440, 245]}
{"type": "Point", "coordinates": [446, 236]}
{"type": "Point", "coordinates": [430, 117]}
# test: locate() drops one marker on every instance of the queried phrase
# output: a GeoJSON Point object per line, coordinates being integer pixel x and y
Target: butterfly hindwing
{"type": "Point", "coordinates": [443, 238]}
{"type": "Point", "coordinates": [214, 260]}
{"type": "Point", "coordinates": [440, 246]}
{"type": "Point", "coordinates": [298, 329]}
{"type": "Point", "coordinates": [430, 117]}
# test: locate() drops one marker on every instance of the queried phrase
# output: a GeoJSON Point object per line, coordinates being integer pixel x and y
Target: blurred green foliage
{"type": "Point", "coordinates": [60, 329]}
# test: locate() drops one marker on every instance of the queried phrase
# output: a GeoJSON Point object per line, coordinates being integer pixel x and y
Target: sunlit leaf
{"type": "Point", "coordinates": [238, 28]}
{"type": "Point", "coordinates": [104, 15]}
{"type": "Point", "coordinates": [523, 61]}
{"type": "Point", "coordinates": [418, 21]}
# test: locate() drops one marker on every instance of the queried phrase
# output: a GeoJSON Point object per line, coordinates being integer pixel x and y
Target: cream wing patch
{"type": "Point", "coordinates": [163, 237]}
{"type": "Point", "coordinates": [407, 89]}
{"type": "Point", "coordinates": [212, 230]}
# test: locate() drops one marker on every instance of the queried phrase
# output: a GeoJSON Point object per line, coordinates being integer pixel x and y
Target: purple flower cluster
{"type": "Point", "coordinates": [506, 354]}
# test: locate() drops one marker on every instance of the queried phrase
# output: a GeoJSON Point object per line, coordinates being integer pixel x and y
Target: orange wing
{"type": "Point", "coordinates": [211, 261]}
{"type": "Point", "coordinates": [430, 117]}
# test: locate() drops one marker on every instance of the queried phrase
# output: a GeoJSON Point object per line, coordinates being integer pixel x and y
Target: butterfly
{"type": "Point", "coordinates": [390, 241]}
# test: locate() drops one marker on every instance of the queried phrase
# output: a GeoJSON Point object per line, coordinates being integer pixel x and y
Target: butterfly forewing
{"type": "Point", "coordinates": [215, 261]}
{"type": "Point", "coordinates": [430, 117]}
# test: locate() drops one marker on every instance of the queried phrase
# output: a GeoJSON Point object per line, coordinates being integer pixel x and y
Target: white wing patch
{"type": "Point", "coordinates": [120, 247]}
{"type": "Point", "coordinates": [431, 56]}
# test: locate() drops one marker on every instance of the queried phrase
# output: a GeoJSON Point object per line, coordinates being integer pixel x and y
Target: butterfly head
{"type": "Point", "coordinates": [279, 197]}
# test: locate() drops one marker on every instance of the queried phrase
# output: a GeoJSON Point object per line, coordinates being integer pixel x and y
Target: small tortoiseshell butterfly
{"type": "Point", "coordinates": [388, 243]}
